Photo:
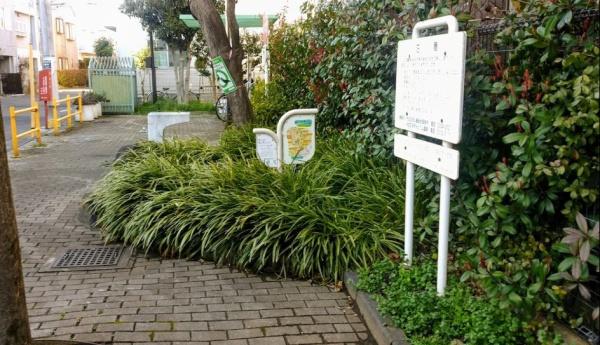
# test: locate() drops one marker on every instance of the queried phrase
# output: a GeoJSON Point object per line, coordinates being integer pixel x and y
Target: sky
{"type": "Point", "coordinates": [130, 36]}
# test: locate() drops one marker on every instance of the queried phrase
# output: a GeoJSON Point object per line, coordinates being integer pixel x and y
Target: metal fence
{"type": "Point", "coordinates": [487, 29]}
{"type": "Point", "coordinates": [115, 78]}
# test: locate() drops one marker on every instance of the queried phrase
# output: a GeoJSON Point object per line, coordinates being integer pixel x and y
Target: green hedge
{"type": "Point", "coordinates": [183, 198]}
{"type": "Point", "coordinates": [73, 77]}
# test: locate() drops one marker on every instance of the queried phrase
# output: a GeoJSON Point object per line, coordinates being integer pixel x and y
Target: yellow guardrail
{"type": "Point", "coordinates": [35, 113]}
{"type": "Point", "coordinates": [56, 119]}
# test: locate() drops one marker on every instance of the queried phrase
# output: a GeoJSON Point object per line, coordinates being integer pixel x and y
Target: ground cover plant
{"type": "Point", "coordinates": [408, 295]}
{"type": "Point", "coordinates": [184, 198]}
{"type": "Point", "coordinates": [163, 104]}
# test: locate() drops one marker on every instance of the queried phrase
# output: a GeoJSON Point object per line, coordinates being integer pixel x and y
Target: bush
{"type": "Point", "coordinates": [408, 295]}
{"type": "Point", "coordinates": [90, 98]}
{"type": "Point", "coordinates": [163, 104]}
{"type": "Point", "coordinates": [73, 77]}
{"type": "Point", "coordinates": [187, 199]}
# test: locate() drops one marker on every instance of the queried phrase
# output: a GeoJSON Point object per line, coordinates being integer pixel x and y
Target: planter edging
{"type": "Point", "coordinates": [376, 323]}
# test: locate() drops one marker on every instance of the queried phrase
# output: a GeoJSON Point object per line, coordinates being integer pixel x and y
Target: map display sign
{"type": "Point", "coordinates": [298, 139]}
{"type": "Point", "coordinates": [429, 85]}
{"type": "Point", "coordinates": [266, 149]}
{"type": "Point", "coordinates": [224, 78]}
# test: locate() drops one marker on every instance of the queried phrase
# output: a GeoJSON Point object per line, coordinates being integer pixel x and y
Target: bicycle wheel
{"type": "Point", "coordinates": [222, 109]}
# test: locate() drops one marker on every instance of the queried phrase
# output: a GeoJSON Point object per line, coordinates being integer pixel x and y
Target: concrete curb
{"type": "Point", "coordinates": [377, 324]}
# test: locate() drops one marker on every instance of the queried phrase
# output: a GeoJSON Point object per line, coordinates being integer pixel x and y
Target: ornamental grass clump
{"type": "Point", "coordinates": [186, 199]}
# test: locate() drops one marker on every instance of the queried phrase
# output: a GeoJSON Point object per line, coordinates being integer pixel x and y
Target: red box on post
{"type": "Point", "coordinates": [45, 85]}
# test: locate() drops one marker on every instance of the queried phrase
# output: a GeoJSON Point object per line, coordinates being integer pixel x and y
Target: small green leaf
{"type": "Point", "coordinates": [513, 297]}
{"type": "Point", "coordinates": [565, 19]}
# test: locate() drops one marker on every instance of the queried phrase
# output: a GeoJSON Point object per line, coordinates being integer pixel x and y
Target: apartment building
{"type": "Point", "coordinates": [63, 33]}
{"type": "Point", "coordinates": [18, 29]}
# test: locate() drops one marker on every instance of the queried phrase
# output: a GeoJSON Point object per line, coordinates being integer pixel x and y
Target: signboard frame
{"type": "Point", "coordinates": [441, 159]}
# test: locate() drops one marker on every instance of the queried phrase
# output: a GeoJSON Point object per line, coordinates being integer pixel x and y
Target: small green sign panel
{"type": "Point", "coordinates": [224, 78]}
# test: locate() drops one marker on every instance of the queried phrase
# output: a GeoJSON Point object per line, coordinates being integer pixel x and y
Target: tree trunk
{"type": "Point", "coordinates": [219, 44]}
{"type": "Point", "coordinates": [14, 323]}
{"type": "Point", "coordinates": [176, 53]}
{"type": "Point", "coordinates": [186, 78]}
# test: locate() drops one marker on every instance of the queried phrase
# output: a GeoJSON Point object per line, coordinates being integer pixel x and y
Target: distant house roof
{"type": "Point", "coordinates": [244, 20]}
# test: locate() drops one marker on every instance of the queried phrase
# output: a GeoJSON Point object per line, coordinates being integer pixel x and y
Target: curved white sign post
{"type": "Point", "coordinates": [429, 101]}
{"type": "Point", "coordinates": [294, 142]}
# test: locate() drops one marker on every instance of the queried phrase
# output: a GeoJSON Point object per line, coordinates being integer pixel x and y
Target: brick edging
{"type": "Point", "coordinates": [376, 323]}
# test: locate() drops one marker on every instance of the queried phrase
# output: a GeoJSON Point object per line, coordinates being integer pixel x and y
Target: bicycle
{"type": "Point", "coordinates": [160, 94]}
{"type": "Point", "coordinates": [222, 108]}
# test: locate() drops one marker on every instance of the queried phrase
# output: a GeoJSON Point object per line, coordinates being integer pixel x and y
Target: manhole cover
{"type": "Point", "coordinates": [89, 257]}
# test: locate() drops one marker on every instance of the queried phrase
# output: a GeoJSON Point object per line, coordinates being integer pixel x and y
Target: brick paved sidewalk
{"type": "Point", "coordinates": [154, 301]}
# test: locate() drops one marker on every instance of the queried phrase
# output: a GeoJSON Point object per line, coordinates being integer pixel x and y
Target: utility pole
{"type": "Point", "coordinates": [152, 66]}
{"type": "Point", "coordinates": [47, 43]}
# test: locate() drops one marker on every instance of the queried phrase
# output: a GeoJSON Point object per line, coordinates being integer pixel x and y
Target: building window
{"type": "Point", "coordinates": [63, 63]}
{"type": "Point", "coordinates": [70, 32]}
{"type": "Point", "coordinates": [3, 18]}
{"type": "Point", "coordinates": [60, 26]}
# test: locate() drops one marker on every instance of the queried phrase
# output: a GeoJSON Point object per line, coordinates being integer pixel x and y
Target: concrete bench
{"type": "Point", "coordinates": [158, 121]}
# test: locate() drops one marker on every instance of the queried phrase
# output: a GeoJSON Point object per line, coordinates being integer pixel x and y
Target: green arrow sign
{"type": "Point", "coordinates": [224, 78]}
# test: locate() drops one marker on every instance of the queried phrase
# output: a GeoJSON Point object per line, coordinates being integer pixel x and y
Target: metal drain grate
{"type": "Point", "coordinates": [89, 257]}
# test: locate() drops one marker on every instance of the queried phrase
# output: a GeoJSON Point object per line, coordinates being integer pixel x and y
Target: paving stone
{"type": "Point", "coordinates": [340, 337]}
{"type": "Point", "coordinates": [267, 341]}
{"type": "Point", "coordinates": [225, 325]}
{"type": "Point", "coordinates": [245, 333]}
{"type": "Point", "coordinates": [303, 339]}
{"type": "Point", "coordinates": [296, 320]}
{"type": "Point", "coordinates": [171, 336]}
{"type": "Point", "coordinates": [230, 342]}
{"type": "Point", "coordinates": [209, 335]}
{"type": "Point", "coordinates": [283, 330]}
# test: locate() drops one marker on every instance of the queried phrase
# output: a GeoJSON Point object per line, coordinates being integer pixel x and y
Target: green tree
{"type": "Point", "coordinates": [104, 47]}
{"type": "Point", "coordinates": [162, 18]}
{"type": "Point", "coordinates": [252, 48]}
{"type": "Point", "coordinates": [228, 47]}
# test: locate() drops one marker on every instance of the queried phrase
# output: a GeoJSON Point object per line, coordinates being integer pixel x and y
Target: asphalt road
{"type": "Point", "coordinates": [24, 120]}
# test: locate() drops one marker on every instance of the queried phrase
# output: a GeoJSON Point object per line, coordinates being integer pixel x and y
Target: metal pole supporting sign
{"type": "Point", "coordinates": [429, 101]}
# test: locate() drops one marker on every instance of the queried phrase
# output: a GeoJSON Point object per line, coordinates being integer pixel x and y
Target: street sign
{"type": "Point", "coordinates": [439, 159]}
{"type": "Point", "coordinates": [298, 133]}
{"type": "Point", "coordinates": [266, 147]}
{"type": "Point", "coordinates": [45, 85]}
{"type": "Point", "coordinates": [429, 99]}
{"type": "Point", "coordinates": [224, 78]}
{"type": "Point", "coordinates": [429, 85]}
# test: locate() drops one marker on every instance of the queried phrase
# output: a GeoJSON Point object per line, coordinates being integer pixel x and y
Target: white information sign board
{"type": "Point", "coordinates": [266, 149]}
{"type": "Point", "coordinates": [439, 159]}
{"type": "Point", "coordinates": [298, 134]}
{"type": "Point", "coordinates": [429, 99]}
{"type": "Point", "coordinates": [429, 85]}
{"type": "Point", "coordinates": [294, 142]}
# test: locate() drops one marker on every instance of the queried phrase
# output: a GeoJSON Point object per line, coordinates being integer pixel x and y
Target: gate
{"type": "Point", "coordinates": [11, 83]}
{"type": "Point", "coordinates": [114, 77]}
